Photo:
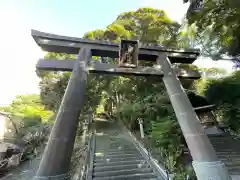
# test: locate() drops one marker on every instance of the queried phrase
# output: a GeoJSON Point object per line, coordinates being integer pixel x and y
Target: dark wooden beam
{"type": "Point", "coordinates": [104, 68]}
{"type": "Point", "coordinates": [71, 45]}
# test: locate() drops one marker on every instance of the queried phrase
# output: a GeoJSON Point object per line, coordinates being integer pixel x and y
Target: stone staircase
{"type": "Point", "coordinates": [228, 151]}
{"type": "Point", "coordinates": [117, 158]}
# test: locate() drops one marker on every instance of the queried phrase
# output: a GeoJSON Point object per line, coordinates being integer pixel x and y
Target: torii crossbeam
{"type": "Point", "coordinates": [57, 155]}
{"type": "Point", "coordinates": [70, 45]}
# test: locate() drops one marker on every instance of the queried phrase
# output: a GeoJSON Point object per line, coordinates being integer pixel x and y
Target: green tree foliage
{"type": "Point", "coordinates": [149, 25]}
{"type": "Point", "coordinates": [95, 35]}
{"type": "Point", "coordinates": [218, 26]}
{"type": "Point", "coordinates": [28, 122]}
{"type": "Point", "coordinates": [146, 24]}
{"type": "Point", "coordinates": [28, 107]}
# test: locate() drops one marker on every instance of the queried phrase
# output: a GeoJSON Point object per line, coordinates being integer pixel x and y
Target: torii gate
{"type": "Point", "coordinates": [57, 155]}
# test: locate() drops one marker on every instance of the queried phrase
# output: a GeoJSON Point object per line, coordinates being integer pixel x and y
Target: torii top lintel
{"type": "Point", "coordinates": [71, 45]}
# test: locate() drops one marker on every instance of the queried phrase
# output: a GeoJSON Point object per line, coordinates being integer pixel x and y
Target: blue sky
{"type": "Point", "coordinates": [19, 53]}
{"type": "Point", "coordinates": [75, 17]}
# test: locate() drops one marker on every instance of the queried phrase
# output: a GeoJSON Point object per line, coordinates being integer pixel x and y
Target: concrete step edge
{"type": "Point", "coordinates": [117, 155]}
{"type": "Point", "coordinates": [117, 167]}
{"type": "Point", "coordinates": [123, 177]}
{"type": "Point", "coordinates": [116, 151]}
{"type": "Point", "coordinates": [119, 162]}
{"type": "Point", "coordinates": [123, 172]}
{"type": "Point", "coordinates": [118, 159]}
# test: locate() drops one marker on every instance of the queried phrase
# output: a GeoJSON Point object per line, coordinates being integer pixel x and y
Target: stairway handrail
{"type": "Point", "coordinates": [91, 154]}
{"type": "Point", "coordinates": [159, 169]}
{"type": "Point", "coordinates": [85, 164]}
{"type": "Point", "coordinates": [88, 162]}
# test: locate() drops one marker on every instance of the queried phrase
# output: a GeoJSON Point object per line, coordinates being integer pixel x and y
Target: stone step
{"type": "Point", "coordinates": [229, 160]}
{"type": "Point", "coordinates": [213, 140]}
{"type": "Point", "coordinates": [122, 172]}
{"type": "Point", "coordinates": [119, 163]}
{"type": "Point", "coordinates": [109, 144]}
{"type": "Point", "coordinates": [227, 148]}
{"type": "Point", "coordinates": [114, 141]}
{"type": "Point", "coordinates": [121, 147]}
{"type": "Point", "coordinates": [234, 170]}
{"type": "Point", "coordinates": [118, 154]}
{"type": "Point", "coordinates": [128, 177]}
{"type": "Point", "coordinates": [234, 158]}
{"type": "Point", "coordinates": [116, 159]}
{"type": "Point", "coordinates": [100, 156]}
{"type": "Point", "coordinates": [120, 167]}
{"type": "Point", "coordinates": [223, 141]}
{"type": "Point", "coordinates": [227, 151]}
{"type": "Point", "coordinates": [119, 140]}
{"type": "Point", "coordinates": [112, 138]}
{"type": "Point", "coordinates": [118, 151]}
{"type": "Point", "coordinates": [230, 153]}
{"type": "Point", "coordinates": [231, 144]}
{"type": "Point", "coordinates": [232, 163]}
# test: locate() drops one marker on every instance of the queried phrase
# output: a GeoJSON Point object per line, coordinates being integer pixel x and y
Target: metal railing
{"type": "Point", "coordinates": [86, 160]}
{"type": "Point", "coordinates": [145, 149]}
{"type": "Point", "coordinates": [86, 171]}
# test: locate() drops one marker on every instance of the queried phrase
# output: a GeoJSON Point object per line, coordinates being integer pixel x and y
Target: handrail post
{"type": "Point", "coordinates": [85, 128]}
{"type": "Point", "coordinates": [56, 159]}
{"type": "Point", "coordinates": [90, 115]}
{"type": "Point", "coordinates": [205, 161]}
{"type": "Point", "coordinates": [140, 121]}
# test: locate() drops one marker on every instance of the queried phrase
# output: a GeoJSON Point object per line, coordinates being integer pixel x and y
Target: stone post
{"type": "Point", "coordinates": [85, 128]}
{"type": "Point", "coordinates": [205, 161]}
{"type": "Point", "coordinates": [56, 158]}
{"type": "Point", "coordinates": [90, 116]}
{"type": "Point", "coordinates": [140, 121]}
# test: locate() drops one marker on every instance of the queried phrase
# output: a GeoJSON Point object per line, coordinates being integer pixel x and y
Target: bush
{"type": "Point", "coordinates": [30, 121]}
{"type": "Point", "coordinates": [225, 94]}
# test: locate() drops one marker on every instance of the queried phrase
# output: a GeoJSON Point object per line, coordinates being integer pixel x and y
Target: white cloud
{"type": "Point", "coordinates": [19, 54]}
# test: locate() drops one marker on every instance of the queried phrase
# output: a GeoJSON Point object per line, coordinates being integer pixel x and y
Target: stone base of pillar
{"type": "Point", "coordinates": [211, 170]}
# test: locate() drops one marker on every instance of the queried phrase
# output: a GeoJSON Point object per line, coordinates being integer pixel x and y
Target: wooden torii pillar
{"type": "Point", "coordinates": [56, 158]}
